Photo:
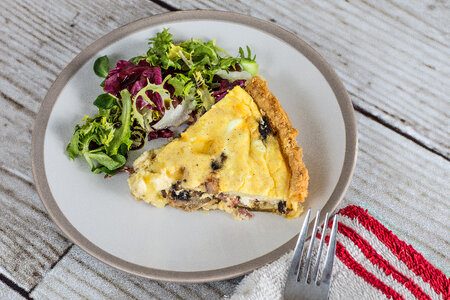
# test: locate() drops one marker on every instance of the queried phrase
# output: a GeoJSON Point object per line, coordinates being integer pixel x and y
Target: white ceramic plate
{"type": "Point", "coordinates": [168, 244]}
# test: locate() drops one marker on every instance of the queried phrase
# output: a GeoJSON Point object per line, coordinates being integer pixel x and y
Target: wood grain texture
{"type": "Point", "coordinates": [393, 56]}
{"type": "Point", "coordinates": [37, 40]}
{"type": "Point", "coordinates": [79, 276]}
{"type": "Point", "coordinates": [394, 61]}
{"type": "Point", "coordinates": [29, 242]}
{"type": "Point", "coordinates": [393, 175]}
{"type": "Point", "coordinates": [7, 293]}
{"type": "Point", "coordinates": [15, 135]}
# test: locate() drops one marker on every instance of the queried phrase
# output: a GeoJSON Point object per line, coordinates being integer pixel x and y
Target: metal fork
{"type": "Point", "coordinates": [301, 286]}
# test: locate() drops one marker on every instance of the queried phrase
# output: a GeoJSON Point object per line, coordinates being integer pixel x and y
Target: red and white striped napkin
{"type": "Point", "coordinates": [371, 263]}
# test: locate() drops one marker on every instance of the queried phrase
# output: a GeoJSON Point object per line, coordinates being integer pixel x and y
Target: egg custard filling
{"type": "Point", "coordinates": [239, 156]}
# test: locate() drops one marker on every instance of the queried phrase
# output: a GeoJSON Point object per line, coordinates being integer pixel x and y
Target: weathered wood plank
{"type": "Point", "coordinates": [40, 38]}
{"type": "Point", "coordinates": [37, 40]}
{"type": "Point", "coordinates": [15, 133]}
{"type": "Point", "coordinates": [29, 242]}
{"type": "Point", "coordinates": [393, 175]}
{"type": "Point", "coordinates": [7, 293]}
{"type": "Point", "coordinates": [78, 275]}
{"type": "Point", "coordinates": [392, 57]}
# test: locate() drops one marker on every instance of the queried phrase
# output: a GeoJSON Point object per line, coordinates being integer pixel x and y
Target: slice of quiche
{"type": "Point", "coordinates": [240, 155]}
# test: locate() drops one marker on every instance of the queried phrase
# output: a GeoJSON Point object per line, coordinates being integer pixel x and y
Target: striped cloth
{"type": "Point", "coordinates": [372, 263]}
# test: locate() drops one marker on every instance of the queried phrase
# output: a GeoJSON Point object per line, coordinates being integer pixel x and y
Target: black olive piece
{"type": "Point", "coordinates": [117, 125]}
{"type": "Point", "coordinates": [215, 165]}
{"type": "Point", "coordinates": [176, 186]}
{"type": "Point", "coordinates": [264, 128]}
{"type": "Point", "coordinates": [182, 195]}
{"type": "Point", "coordinates": [223, 156]}
{"type": "Point", "coordinates": [282, 207]}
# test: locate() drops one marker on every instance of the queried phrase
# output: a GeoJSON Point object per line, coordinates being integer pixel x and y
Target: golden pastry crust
{"type": "Point", "coordinates": [286, 134]}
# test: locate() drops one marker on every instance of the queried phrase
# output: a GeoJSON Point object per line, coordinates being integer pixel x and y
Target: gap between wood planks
{"type": "Point", "coordinates": [21, 291]}
{"type": "Point", "coordinates": [14, 286]}
{"type": "Point", "coordinates": [165, 5]}
{"type": "Point", "coordinates": [377, 119]}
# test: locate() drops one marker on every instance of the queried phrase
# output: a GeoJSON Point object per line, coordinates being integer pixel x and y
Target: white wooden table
{"type": "Point", "coordinates": [393, 57]}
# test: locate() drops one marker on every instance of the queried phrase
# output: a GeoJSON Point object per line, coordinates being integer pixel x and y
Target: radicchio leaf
{"type": "Point", "coordinates": [127, 75]}
{"type": "Point", "coordinates": [226, 86]}
{"type": "Point", "coordinates": [162, 133]}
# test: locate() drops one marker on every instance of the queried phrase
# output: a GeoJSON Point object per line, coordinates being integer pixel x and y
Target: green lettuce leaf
{"type": "Point", "coordinates": [105, 101]}
{"type": "Point", "coordinates": [123, 133]}
{"type": "Point", "coordinates": [101, 66]}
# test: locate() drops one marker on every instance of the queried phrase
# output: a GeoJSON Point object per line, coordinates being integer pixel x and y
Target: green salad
{"type": "Point", "coordinates": [148, 96]}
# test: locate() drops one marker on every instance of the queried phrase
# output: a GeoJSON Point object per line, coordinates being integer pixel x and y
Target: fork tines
{"type": "Point", "coordinates": [303, 283]}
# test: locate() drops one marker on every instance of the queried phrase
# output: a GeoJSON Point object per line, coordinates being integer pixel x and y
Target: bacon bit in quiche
{"type": "Point", "coordinates": [243, 213]}
{"type": "Point", "coordinates": [234, 201]}
{"type": "Point", "coordinates": [230, 201]}
{"type": "Point", "coordinates": [212, 185]}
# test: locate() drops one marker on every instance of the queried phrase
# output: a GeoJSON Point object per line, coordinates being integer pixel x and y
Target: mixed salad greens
{"type": "Point", "coordinates": [149, 95]}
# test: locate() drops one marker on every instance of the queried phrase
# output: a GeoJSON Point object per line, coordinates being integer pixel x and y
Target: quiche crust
{"type": "Point", "coordinates": [279, 121]}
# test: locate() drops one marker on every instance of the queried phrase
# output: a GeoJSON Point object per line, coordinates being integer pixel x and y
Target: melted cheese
{"type": "Point", "coordinates": [253, 167]}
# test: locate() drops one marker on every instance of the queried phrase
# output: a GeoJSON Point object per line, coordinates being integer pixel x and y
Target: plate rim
{"type": "Point", "coordinates": [41, 121]}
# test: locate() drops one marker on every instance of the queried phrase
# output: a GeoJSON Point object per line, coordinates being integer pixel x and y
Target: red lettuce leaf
{"type": "Point", "coordinates": [225, 87]}
{"type": "Point", "coordinates": [127, 75]}
{"type": "Point", "coordinates": [162, 133]}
